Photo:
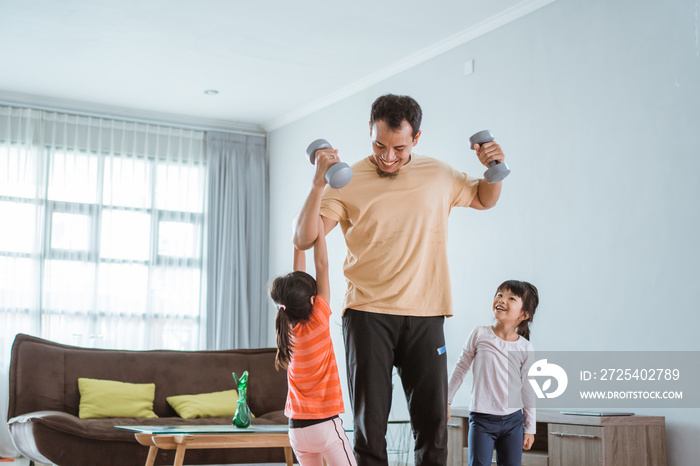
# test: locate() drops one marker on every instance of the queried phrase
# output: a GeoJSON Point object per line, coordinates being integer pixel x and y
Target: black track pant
{"type": "Point", "coordinates": [374, 343]}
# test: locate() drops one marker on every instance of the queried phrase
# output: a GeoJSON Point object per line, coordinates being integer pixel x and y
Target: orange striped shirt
{"type": "Point", "coordinates": [314, 385]}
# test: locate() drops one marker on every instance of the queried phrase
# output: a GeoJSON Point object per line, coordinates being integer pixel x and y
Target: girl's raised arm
{"type": "Point", "coordinates": [299, 260]}
{"type": "Point", "coordinates": [323, 286]}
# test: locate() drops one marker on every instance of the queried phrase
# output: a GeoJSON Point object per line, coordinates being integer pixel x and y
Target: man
{"type": "Point", "coordinates": [394, 215]}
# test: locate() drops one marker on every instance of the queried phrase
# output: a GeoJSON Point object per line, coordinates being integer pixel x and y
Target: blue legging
{"type": "Point", "coordinates": [503, 432]}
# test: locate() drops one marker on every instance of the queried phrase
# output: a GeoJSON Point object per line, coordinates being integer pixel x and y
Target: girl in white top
{"type": "Point", "coordinates": [499, 355]}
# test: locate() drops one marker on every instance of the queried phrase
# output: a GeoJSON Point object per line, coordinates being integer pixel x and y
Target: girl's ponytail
{"type": "Point", "coordinates": [524, 329]}
{"type": "Point", "coordinates": [531, 299]}
{"type": "Point", "coordinates": [283, 325]}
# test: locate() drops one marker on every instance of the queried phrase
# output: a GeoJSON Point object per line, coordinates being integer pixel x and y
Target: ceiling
{"type": "Point", "coordinates": [271, 61]}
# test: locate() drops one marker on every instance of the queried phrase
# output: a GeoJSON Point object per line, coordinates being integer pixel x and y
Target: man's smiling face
{"type": "Point", "coordinates": [391, 149]}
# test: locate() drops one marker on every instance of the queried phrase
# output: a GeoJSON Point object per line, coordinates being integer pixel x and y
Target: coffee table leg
{"type": "Point", "coordinates": [180, 454]}
{"type": "Point", "coordinates": [152, 452]}
{"type": "Point", "coordinates": [288, 456]}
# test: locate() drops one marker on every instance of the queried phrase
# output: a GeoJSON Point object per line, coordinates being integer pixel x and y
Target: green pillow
{"type": "Point", "coordinates": [109, 398]}
{"type": "Point", "coordinates": [215, 404]}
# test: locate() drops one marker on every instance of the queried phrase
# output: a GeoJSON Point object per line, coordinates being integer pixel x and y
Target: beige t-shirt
{"type": "Point", "coordinates": [396, 234]}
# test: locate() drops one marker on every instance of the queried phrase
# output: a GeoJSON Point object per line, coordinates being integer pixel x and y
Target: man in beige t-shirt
{"type": "Point", "coordinates": [394, 216]}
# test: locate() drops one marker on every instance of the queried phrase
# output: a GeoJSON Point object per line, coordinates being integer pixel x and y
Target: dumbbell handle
{"type": "Point", "coordinates": [481, 138]}
{"type": "Point", "coordinates": [339, 174]}
{"type": "Point", "coordinates": [492, 175]}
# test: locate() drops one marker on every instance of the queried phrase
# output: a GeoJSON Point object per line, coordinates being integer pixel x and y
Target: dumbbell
{"type": "Point", "coordinates": [496, 171]}
{"type": "Point", "coordinates": [339, 174]}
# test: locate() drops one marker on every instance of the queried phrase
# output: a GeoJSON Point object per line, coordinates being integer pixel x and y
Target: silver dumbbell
{"type": "Point", "coordinates": [496, 171]}
{"type": "Point", "coordinates": [339, 174]}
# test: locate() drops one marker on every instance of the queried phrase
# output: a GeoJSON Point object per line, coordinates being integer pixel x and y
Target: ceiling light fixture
{"type": "Point", "coordinates": [211, 92]}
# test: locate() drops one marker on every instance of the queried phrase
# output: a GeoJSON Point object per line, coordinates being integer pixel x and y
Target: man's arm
{"type": "Point", "coordinates": [306, 226]}
{"type": "Point", "coordinates": [487, 195]}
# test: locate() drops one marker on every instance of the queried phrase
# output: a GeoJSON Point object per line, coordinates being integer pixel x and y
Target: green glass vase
{"type": "Point", "coordinates": [242, 416]}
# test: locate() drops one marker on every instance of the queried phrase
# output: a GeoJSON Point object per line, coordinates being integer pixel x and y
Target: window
{"type": "Point", "coordinates": [103, 224]}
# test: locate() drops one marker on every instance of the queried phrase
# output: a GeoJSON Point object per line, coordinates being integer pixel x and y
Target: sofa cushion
{"type": "Point", "coordinates": [110, 398]}
{"type": "Point", "coordinates": [205, 405]}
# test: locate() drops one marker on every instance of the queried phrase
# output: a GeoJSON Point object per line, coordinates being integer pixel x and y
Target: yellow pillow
{"type": "Point", "coordinates": [109, 398]}
{"type": "Point", "coordinates": [215, 404]}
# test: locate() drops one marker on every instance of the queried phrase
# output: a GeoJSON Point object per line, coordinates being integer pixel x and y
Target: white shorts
{"type": "Point", "coordinates": [325, 440]}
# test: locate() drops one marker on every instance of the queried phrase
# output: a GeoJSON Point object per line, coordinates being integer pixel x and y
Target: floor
{"type": "Point", "coordinates": [25, 462]}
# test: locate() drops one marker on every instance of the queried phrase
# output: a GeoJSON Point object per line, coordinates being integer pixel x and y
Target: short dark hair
{"type": "Point", "coordinates": [394, 109]}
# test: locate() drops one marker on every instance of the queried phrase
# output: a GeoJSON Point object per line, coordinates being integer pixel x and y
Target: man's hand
{"type": "Point", "coordinates": [528, 440]}
{"type": "Point", "coordinates": [325, 158]}
{"type": "Point", "coordinates": [488, 194]}
{"type": "Point", "coordinates": [489, 152]}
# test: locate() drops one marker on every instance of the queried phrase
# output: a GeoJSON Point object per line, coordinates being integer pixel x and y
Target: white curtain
{"type": "Point", "coordinates": [102, 229]}
{"type": "Point", "coordinates": [237, 241]}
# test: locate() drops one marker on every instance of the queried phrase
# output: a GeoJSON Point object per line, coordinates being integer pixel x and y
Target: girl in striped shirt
{"type": "Point", "coordinates": [305, 349]}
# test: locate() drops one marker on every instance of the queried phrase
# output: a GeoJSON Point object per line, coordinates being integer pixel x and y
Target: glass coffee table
{"type": "Point", "coordinates": [181, 437]}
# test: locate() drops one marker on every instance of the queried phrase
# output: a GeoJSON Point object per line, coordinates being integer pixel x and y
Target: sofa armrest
{"type": "Point", "coordinates": [55, 419]}
{"type": "Point", "coordinates": [22, 431]}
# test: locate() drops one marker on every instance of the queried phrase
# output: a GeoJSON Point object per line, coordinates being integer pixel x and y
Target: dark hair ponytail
{"type": "Point", "coordinates": [528, 293]}
{"type": "Point", "coordinates": [283, 326]}
{"type": "Point", "coordinates": [292, 295]}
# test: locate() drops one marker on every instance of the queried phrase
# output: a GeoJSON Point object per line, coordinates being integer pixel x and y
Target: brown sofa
{"type": "Point", "coordinates": [44, 400]}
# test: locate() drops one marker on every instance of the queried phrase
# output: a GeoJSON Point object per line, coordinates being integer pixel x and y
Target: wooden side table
{"type": "Point", "coordinates": [575, 440]}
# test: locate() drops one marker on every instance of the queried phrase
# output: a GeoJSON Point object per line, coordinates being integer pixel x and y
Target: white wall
{"type": "Point", "coordinates": [597, 106]}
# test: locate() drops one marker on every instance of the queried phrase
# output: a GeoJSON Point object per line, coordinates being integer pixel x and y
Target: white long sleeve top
{"type": "Point", "coordinates": [487, 356]}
